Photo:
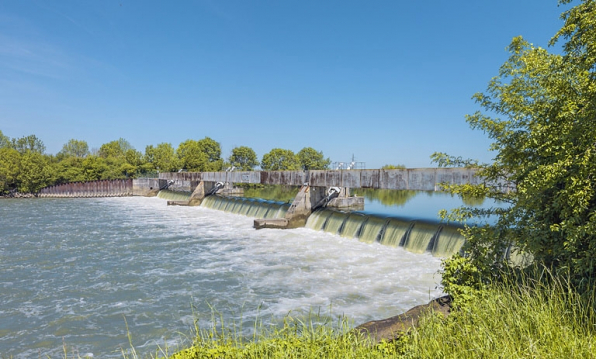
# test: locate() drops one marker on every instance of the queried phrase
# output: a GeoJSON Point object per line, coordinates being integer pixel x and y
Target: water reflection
{"type": "Point", "coordinates": [271, 192]}
{"type": "Point", "coordinates": [386, 197]}
{"type": "Point", "coordinates": [424, 205]}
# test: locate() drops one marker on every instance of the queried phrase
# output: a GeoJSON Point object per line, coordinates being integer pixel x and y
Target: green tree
{"type": "Point", "coordinates": [311, 159]}
{"type": "Point", "coordinates": [4, 141]}
{"type": "Point", "coordinates": [191, 156]}
{"type": "Point", "coordinates": [280, 160]}
{"type": "Point", "coordinates": [10, 162]}
{"type": "Point", "coordinates": [162, 157]}
{"type": "Point", "coordinates": [70, 169]}
{"type": "Point", "coordinates": [200, 156]}
{"type": "Point", "coordinates": [94, 168]}
{"type": "Point", "coordinates": [213, 151]}
{"type": "Point", "coordinates": [244, 158]}
{"type": "Point", "coordinates": [115, 149]}
{"type": "Point", "coordinates": [35, 172]}
{"type": "Point", "coordinates": [542, 108]}
{"type": "Point", "coordinates": [28, 143]}
{"type": "Point", "coordinates": [74, 148]}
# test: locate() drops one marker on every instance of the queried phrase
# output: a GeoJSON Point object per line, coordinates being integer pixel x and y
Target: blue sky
{"type": "Point", "coordinates": [387, 81]}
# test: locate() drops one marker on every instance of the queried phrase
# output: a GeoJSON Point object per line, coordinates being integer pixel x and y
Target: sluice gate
{"type": "Point", "coordinates": [105, 188]}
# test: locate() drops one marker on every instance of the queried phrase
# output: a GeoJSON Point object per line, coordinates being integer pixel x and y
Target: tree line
{"type": "Point", "coordinates": [26, 167]}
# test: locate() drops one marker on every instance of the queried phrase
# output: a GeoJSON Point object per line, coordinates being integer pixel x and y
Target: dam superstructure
{"type": "Point", "coordinates": [320, 204]}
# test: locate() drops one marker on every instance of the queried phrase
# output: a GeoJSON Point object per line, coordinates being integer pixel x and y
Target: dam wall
{"type": "Point", "coordinates": [105, 188]}
{"type": "Point", "coordinates": [420, 179]}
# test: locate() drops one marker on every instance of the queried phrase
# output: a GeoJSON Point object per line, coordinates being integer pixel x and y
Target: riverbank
{"type": "Point", "coordinates": [531, 319]}
{"type": "Point", "coordinates": [18, 195]}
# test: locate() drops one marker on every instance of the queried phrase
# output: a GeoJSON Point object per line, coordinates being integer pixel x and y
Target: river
{"type": "Point", "coordinates": [76, 272]}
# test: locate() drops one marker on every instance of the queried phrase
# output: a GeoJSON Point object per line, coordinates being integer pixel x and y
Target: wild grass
{"type": "Point", "coordinates": [312, 337]}
{"type": "Point", "coordinates": [531, 318]}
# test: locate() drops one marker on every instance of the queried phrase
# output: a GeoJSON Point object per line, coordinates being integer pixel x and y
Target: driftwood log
{"type": "Point", "coordinates": [392, 328]}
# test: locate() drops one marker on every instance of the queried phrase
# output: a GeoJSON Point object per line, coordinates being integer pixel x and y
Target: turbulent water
{"type": "Point", "coordinates": [76, 272]}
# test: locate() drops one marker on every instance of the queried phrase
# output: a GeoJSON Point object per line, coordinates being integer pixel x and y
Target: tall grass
{"type": "Point", "coordinates": [531, 318]}
{"type": "Point", "coordinates": [313, 337]}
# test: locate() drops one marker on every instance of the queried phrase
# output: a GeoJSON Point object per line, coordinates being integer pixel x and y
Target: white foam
{"type": "Point", "coordinates": [141, 258]}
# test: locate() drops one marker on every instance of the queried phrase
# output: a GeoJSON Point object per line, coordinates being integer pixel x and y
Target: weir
{"type": "Point", "coordinates": [439, 239]}
{"type": "Point", "coordinates": [319, 191]}
{"type": "Point", "coordinates": [315, 206]}
{"type": "Point", "coordinates": [316, 184]}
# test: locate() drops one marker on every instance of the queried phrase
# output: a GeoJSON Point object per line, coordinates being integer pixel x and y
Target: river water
{"type": "Point", "coordinates": [76, 272]}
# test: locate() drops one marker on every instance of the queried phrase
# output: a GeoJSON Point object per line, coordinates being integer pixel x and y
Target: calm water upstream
{"type": "Point", "coordinates": [73, 270]}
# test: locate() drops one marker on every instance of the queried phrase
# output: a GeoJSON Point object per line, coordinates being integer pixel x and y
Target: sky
{"type": "Point", "coordinates": [388, 82]}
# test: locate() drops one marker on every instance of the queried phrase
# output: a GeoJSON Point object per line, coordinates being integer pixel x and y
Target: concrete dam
{"type": "Point", "coordinates": [322, 203]}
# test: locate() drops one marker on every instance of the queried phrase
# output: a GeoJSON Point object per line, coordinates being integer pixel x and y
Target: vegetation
{"type": "Point", "coordinates": [312, 337]}
{"type": "Point", "coordinates": [26, 168]}
{"type": "Point", "coordinates": [545, 143]}
{"type": "Point", "coordinates": [279, 159]}
{"type": "Point", "coordinates": [311, 159]}
{"type": "Point", "coordinates": [393, 167]}
{"type": "Point", "coordinates": [243, 158]}
{"type": "Point", "coordinates": [520, 318]}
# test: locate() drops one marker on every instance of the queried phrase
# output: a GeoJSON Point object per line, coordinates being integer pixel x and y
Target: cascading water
{"type": "Point", "coordinates": [246, 206]}
{"type": "Point", "coordinates": [449, 241]}
{"type": "Point", "coordinates": [352, 225]}
{"type": "Point", "coordinates": [395, 232]}
{"type": "Point", "coordinates": [334, 222]}
{"type": "Point", "coordinates": [415, 236]}
{"type": "Point", "coordinates": [371, 229]}
{"type": "Point", "coordinates": [174, 195]}
{"type": "Point", "coordinates": [420, 237]}
{"type": "Point", "coordinates": [318, 219]}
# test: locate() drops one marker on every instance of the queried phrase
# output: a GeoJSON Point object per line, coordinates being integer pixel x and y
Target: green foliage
{"type": "Point", "coordinates": [393, 167]}
{"type": "Point", "coordinates": [94, 168]}
{"type": "Point", "coordinates": [213, 151]}
{"type": "Point", "coordinates": [115, 149]}
{"type": "Point", "coordinates": [74, 148]}
{"type": "Point", "coordinates": [545, 143]}
{"type": "Point", "coordinates": [280, 160]}
{"type": "Point", "coordinates": [162, 157]}
{"type": "Point", "coordinates": [4, 141]}
{"type": "Point", "coordinates": [35, 172]}
{"type": "Point", "coordinates": [10, 161]}
{"type": "Point", "coordinates": [191, 156]}
{"type": "Point", "coordinates": [314, 338]}
{"type": "Point", "coordinates": [244, 158]}
{"type": "Point", "coordinates": [530, 317]}
{"type": "Point", "coordinates": [311, 159]}
{"type": "Point", "coordinates": [200, 156]}
{"type": "Point", "coordinates": [70, 169]}
{"type": "Point", "coordinates": [28, 143]}
{"type": "Point", "coordinates": [461, 279]}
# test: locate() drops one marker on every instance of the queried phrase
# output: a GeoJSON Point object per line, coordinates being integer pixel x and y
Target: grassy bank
{"type": "Point", "coordinates": [532, 319]}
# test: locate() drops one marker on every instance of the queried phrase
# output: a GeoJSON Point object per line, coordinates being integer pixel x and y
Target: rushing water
{"type": "Point", "coordinates": [73, 270]}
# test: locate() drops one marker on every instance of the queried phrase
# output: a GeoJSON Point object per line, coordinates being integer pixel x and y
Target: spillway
{"type": "Point", "coordinates": [416, 236]}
